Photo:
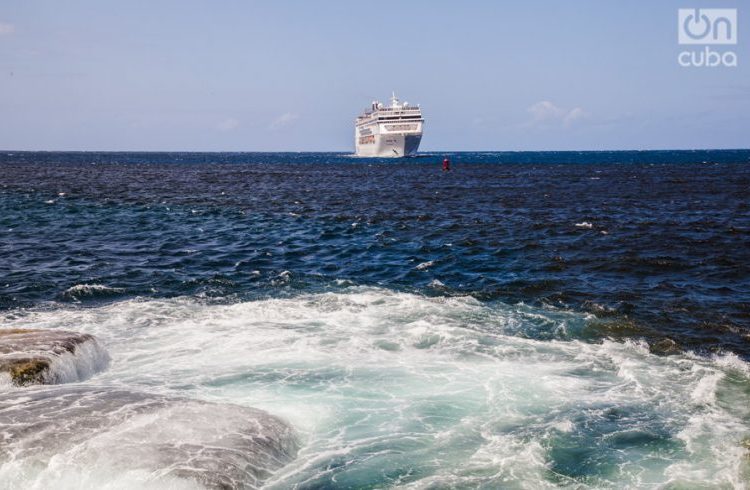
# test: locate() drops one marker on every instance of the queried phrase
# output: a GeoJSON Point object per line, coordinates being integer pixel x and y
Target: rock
{"type": "Point", "coordinates": [27, 371]}
{"type": "Point", "coordinates": [35, 356]}
{"type": "Point", "coordinates": [665, 346]}
{"type": "Point", "coordinates": [138, 439]}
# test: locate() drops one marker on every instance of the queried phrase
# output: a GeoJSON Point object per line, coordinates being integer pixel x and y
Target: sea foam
{"type": "Point", "coordinates": [396, 389]}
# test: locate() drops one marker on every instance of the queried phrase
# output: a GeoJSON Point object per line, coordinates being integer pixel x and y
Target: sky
{"type": "Point", "coordinates": [292, 75]}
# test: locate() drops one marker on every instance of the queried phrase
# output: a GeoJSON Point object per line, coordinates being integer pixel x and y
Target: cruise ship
{"type": "Point", "coordinates": [393, 131]}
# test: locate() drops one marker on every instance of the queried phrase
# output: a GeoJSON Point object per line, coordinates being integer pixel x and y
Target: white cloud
{"type": "Point", "coordinates": [283, 120]}
{"type": "Point", "coordinates": [545, 114]}
{"type": "Point", "coordinates": [574, 115]}
{"type": "Point", "coordinates": [228, 124]}
{"type": "Point", "coordinates": [545, 110]}
{"type": "Point", "coordinates": [7, 28]}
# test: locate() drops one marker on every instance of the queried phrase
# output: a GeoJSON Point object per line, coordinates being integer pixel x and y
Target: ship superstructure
{"type": "Point", "coordinates": [392, 131]}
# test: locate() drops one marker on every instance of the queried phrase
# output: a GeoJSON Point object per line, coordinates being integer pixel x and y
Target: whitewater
{"type": "Point", "coordinates": [393, 389]}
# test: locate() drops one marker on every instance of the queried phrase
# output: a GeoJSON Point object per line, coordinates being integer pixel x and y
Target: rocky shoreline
{"type": "Point", "coordinates": [29, 356]}
{"type": "Point", "coordinates": [217, 445]}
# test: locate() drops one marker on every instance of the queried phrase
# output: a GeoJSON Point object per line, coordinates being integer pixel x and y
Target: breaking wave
{"type": "Point", "coordinates": [90, 291]}
{"type": "Point", "coordinates": [393, 389]}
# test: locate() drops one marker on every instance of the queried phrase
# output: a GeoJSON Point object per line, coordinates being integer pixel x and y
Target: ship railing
{"type": "Point", "coordinates": [391, 109]}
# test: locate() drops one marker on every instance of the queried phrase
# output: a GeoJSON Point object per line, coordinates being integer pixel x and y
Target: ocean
{"type": "Point", "coordinates": [526, 320]}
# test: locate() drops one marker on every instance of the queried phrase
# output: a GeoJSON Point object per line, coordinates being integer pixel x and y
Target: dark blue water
{"type": "Point", "coordinates": [526, 320]}
{"type": "Point", "coordinates": [658, 243]}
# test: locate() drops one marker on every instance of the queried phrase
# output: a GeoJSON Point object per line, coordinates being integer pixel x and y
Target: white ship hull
{"type": "Point", "coordinates": [389, 132]}
{"type": "Point", "coordinates": [389, 144]}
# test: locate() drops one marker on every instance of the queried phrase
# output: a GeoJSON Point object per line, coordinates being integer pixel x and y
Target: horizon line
{"type": "Point", "coordinates": [343, 152]}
